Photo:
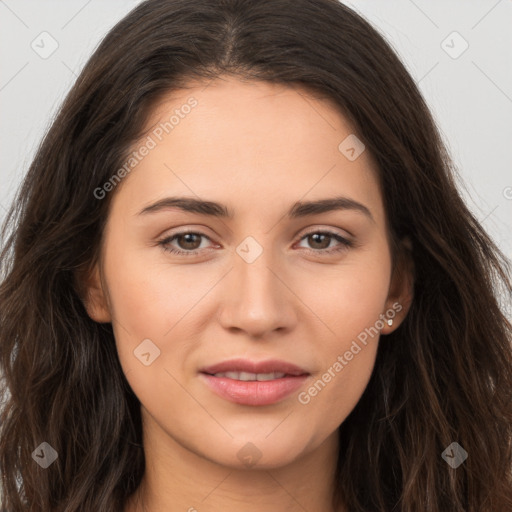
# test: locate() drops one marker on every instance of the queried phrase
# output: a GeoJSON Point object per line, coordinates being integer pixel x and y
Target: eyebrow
{"type": "Point", "coordinates": [298, 209]}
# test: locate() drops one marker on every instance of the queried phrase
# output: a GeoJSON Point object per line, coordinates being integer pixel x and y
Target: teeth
{"type": "Point", "coordinates": [246, 376]}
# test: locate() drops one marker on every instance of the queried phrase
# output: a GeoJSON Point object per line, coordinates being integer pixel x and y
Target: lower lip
{"type": "Point", "coordinates": [254, 392]}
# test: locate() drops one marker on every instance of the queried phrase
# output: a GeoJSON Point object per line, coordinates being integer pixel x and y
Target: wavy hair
{"type": "Point", "coordinates": [444, 375]}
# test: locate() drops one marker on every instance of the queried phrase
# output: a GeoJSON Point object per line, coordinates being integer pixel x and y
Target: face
{"type": "Point", "coordinates": [300, 289]}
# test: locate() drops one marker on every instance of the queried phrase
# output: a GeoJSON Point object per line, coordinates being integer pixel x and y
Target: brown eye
{"type": "Point", "coordinates": [186, 244]}
{"type": "Point", "coordinates": [189, 241]}
{"type": "Point", "coordinates": [319, 242]}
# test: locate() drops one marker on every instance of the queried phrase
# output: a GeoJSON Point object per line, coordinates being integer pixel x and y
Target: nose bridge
{"type": "Point", "coordinates": [256, 299]}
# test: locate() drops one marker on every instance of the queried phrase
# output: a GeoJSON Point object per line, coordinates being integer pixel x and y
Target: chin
{"type": "Point", "coordinates": [258, 453]}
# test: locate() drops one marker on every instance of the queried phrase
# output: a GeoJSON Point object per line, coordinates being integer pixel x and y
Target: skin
{"type": "Point", "coordinates": [257, 148]}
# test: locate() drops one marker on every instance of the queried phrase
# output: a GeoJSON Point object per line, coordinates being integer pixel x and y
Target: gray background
{"type": "Point", "coordinates": [470, 96]}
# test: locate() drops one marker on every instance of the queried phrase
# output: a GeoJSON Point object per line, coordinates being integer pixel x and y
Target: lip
{"type": "Point", "coordinates": [246, 365]}
{"type": "Point", "coordinates": [254, 392]}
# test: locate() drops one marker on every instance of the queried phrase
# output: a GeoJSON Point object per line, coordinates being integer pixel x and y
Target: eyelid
{"type": "Point", "coordinates": [313, 229]}
{"type": "Point", "coordinates": [317, 229]}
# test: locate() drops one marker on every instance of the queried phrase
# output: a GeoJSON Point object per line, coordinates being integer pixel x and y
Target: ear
{"type": "Point", "coordinates": [401, 289]}
{"type": "Point", "coordinates": [93, 295]}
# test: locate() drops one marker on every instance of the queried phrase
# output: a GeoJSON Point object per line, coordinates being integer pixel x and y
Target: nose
{"type": "Point", "coordinates": [257, 298]}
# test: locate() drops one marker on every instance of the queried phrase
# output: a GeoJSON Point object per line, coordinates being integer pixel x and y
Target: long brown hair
{"type": "Point", "coordinates": [445, 375]}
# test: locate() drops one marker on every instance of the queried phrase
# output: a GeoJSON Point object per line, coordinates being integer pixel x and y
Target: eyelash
{"type": "Point", "coordinates": [344, 243]}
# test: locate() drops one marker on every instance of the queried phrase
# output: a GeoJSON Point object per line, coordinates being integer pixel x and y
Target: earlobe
{"type": "Point", "coordinates": [401, 291]}
{"type": "Point", "coordinates": [93, 296]}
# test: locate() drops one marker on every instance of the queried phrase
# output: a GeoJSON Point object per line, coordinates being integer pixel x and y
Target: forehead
{"type": "Point", "coordinates": [239, 141]}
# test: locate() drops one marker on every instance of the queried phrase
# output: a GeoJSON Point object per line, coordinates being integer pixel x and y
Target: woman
{"type": "Point", "coordinates": [240, 275]}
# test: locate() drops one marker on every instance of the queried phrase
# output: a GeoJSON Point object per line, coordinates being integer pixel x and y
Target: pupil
{"type": "Point", "coordinates": [315, 240]}
{"type": "Point", "coordinates": [189, 239]}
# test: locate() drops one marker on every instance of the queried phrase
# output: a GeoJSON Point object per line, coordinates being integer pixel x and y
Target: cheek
{"type": "Point", "coordinates": [149, 296]}
{"type": "Point", "coordinates": [152, 307]}
{"type": "Point", "coordinates": [350, 304]}
{"type": "Point", "coordinates": [332, 395]}
{"type": "Point", "coordinates": [350, 297]}
{"type": "Point", "coordinates": [347, 362]}
{"type": "Point", "coordinates": [155, 301]}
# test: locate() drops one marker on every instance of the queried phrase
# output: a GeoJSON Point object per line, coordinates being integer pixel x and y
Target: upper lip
{"type": "Point", "coordinates": [246, 365]}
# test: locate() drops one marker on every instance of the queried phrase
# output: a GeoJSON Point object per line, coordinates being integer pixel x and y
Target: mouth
{"type": "Point", "coordinates": [254, 383]}
{"type": "Point", "coordinates": [248, 377]}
